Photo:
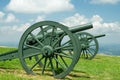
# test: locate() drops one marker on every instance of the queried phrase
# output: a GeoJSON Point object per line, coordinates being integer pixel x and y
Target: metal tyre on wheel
{"type": "Point", "coordinates": [51, 48]}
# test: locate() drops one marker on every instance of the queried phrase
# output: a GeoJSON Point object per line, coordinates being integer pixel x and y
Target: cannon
{"type": "Point", "coordinates": [89, 44]}
{"type": "Point", "coordinates": [50, 46]}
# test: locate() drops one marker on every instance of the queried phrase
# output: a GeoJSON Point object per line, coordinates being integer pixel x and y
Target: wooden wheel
{"type": "Point", "coordinates": [51, 48]}
{"type": "Point", "coordinates": [89, 45]}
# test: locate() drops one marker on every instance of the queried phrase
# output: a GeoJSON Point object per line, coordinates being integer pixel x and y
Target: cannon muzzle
{"type": "Point", "coordinates": [98, 36]}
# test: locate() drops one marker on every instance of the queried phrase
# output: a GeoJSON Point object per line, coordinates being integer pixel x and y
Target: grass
{"type": "Point", "coordinates": [102, 67]}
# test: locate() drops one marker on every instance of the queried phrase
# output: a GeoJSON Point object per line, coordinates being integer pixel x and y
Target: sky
{"type": "Point", "coordinates": [17, 15]}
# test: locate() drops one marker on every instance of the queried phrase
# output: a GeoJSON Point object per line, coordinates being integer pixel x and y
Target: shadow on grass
{"type": "Point", "coordinates": [74, 74]}
{"type": "Point", "coordinates": [9, 69]}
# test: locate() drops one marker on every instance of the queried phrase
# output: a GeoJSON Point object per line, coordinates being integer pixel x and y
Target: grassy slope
{"type": "Point", "coordinates": [102, 67]}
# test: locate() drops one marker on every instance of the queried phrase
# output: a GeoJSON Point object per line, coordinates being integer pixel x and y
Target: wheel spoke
{"type": "Point", "coordinates": [90, 52]}
{"type": "Point", "coordinates": [66, 43]}
{"type": "Point", "coordinates": [83, 53]}
{"type": "Point", "coordinates": [37, 58]}
{"type": "Point", "coordinates": [42, 32]}
{"type": "Point", "coordinates": [56, 61]}
{"type": "Point", "coordinates": [52, 36]}
{"type": "Point", "coordinates": [68, 48]}
{"type": "Point", "coordinates": [48, 64]}
{"type": "Point", "coordinates": [92, 44]}
{"type": "Point", "coordinates": [45, 62]}
{"type": "Point", "coordinates": [64, 61]}
{"type": "Point", "coordinates": [53, 70]}
{"type": "Point", "coordinates": [37, 48]}
{"type": "Point", "coordinates": [36, 39]}
{"type": "Point", "coordinates": [59, 63]}
{"type": "Point", "coordinates": [36, 63]}
{"type": "Point", "coordinates": [63, 55]}
{"type": "Point", "coordinates": [64, 48]}
{"type": "Point", "coordinates": [59, 39]}
{"type": "Point", "coordinates": [70, 52]}
{"type": "Point", "coordinates": [90, 40]}
{"type": "Point", "coordinates": [80, 36]}
{"type": "Point", "coordinates": [86, 54]}
{"type": "Point", "coordinates": [85, 36]}
{"type": "Point", "coordinates": [92, 49]}
{"type": "Point", "coordinates": [66, 54]}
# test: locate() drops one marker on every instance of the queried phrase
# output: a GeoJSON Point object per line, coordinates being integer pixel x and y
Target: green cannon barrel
{"type": "Point", "coordinates": [78, 28]}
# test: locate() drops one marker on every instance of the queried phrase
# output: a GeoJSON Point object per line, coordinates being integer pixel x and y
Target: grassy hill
{"type": "Point", "coordinates": [102, 67]}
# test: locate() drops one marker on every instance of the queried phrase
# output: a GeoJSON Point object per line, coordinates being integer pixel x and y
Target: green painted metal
{"type": "Point", "coordinates": [89, 45]}
{"type": "Point", "coordinates": [52, 49]}
{"type": "Point", "coordinates": [9, 55]}
{"type": "Point", "coordinates": [79, 28]}
{"type": "Point", "coordinates": [98, 36]}
{"type": "Point", "coordinates": [14, 54]}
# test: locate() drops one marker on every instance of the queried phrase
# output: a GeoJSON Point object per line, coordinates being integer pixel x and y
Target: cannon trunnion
{"type": "Point", "coordinates": [49, 45]}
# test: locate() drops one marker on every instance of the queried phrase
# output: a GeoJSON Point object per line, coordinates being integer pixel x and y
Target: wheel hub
{"type": "Point", "coordinates": [84, 45]}
{"type": "Point", "coordinates": [47, 51]}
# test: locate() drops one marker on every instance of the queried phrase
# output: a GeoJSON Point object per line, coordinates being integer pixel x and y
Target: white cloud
{"type": "Point", "coordinates": [96, 18]}
{"type": "Point", "coordinates": [112, 27]}
{"type": "Point", "coordinates": [105, 1]}
{"type": "Point", "coordinates": [7, 34]}
{"type": "Point", "coordinates": [14, 29]}
{"type": "Point", "coordinates": [10, 18]}
{"type": "Point", "coordinates": [39, 6]}
{"type": "Point", "coordinates": [99, 26]}
{"type": "Point", "coordinates": [18, 28]}
{"type": "Point", "coordinates": [7, 18]}
{"type": "Point", "coordinates": [12, 34]}
{"type": "Point", "coordinates": [1, 16]}
{"type": "Point", "coordinates": [104, 27]}
{"type": "Point", "coordinates": [75, 20]}
{"type": "Point", "coordinates": [40, 18]}
{"type": "Point", "coordinates": [21, 28]}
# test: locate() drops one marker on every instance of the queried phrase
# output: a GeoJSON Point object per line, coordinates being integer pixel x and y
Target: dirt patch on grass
{"type": "Point", "coordinates": [23, 74]}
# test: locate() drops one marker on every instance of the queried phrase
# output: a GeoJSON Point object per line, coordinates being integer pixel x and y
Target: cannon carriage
{"type": "Point", "coordinates": [49, 45]}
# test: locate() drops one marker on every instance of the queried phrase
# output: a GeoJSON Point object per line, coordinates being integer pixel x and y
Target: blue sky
{"type": "Point", "coordinates": [17, 15]}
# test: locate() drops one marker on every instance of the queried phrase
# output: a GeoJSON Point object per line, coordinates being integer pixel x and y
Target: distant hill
{"type": "Point", "coordinates": [113, 49]}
